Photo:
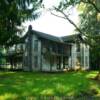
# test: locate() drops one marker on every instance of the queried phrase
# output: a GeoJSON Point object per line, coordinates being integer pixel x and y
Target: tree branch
{"type": "Point", "coordinates": [57, 15]}
{"type": "Point", "coordinates": [96, 8]}
{"type": "Point", "coordinates": [93, 4]}
{"type": "Point", "coordinates": [66, 17]}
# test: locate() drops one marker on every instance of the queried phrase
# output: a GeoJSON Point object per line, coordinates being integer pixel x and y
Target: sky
{"type": "Point", "coordinates": [51, 24]}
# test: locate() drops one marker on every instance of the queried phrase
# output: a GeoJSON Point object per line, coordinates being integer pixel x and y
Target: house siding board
{"type": "Point", "coordinates": [36, 53]}
{"type": "Point", "coordinates": [26, 65]}
{"type": "Point", "coordinates": [39, 55]}
{"type": "Point", "coordinates": [54, 67]}
{"type": "Point", "coordinates": [84, 56]}
{"type": "Point", "coordinates": [69, 62]}
{"type": "Point", "coordinates": [46, 64]}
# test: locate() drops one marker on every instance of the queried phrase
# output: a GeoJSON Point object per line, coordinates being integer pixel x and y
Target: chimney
{"type": "Point", "coordinates": [30, 28]}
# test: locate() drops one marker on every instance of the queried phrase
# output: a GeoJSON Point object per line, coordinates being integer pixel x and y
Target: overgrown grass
{"type": "Point", "coordinates": [28, 85]}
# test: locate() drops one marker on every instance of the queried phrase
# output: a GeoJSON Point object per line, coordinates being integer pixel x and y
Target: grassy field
{"type": "Point", "coordinates": [32, 85]}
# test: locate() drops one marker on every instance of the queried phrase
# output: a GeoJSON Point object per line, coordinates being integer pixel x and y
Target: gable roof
{"type": "Point", "coordinates": [47, 36]}
{"type": "Point", "coordinates": [73, 38]}
{"type": "Point", "coordinates": [69, 38]}
{"type": "Point", "coordinates": [65, 39]}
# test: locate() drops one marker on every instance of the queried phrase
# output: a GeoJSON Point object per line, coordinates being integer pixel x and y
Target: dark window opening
{"type": "Point", "coordinates": [35, 61]}
{"type": "Point", "coordinates": [78, 47]}
{"type": "Point", "coordinates": [35, 45]}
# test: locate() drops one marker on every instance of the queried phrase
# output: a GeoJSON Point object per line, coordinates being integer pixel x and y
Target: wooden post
{"type": "Point", "coordinates": [50, 62]}
{"type": "Point", "coordinates": [63, 62]}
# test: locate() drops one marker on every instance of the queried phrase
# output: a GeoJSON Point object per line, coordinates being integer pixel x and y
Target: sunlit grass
{"type": "Point", "coordinates": [23, 85]}
{"type": "Point", "coordinates": [92, 74]}
{"type": "Point", "coordinates": [8, 96]}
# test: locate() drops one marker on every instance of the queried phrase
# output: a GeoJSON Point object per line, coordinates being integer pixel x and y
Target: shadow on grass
{"type": "Point", "coordinates": [21, 85]}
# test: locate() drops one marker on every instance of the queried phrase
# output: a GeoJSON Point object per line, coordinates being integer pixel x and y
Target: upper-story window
{"type": "Point", "coordinates": [78, 47]}
{"type": "Point", "coordinates": [35, 45]}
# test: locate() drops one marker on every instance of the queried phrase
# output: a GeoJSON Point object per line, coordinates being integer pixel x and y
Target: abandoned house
{"type": "Point", "coordinates": [44, 52]}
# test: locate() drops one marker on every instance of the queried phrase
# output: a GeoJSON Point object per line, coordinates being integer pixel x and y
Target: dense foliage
{"type": "Point", "coordinates": [12, 14]}
{"type": "Point", "coordinates": [89, 12]}
{"type": "Point", "coordinates": [90, 25]}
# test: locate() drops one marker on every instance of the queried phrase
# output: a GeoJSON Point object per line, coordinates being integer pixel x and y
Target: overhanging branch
{"type": "Point", "coordinates": [58, 15]}
{"type": "Point", "coordinates": [93, 4]}
{"type": "Point", "coordinates": [66, 17]}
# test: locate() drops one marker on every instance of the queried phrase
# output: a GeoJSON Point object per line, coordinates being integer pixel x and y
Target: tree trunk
{"type": "Point", "coordinates": [98, 75]}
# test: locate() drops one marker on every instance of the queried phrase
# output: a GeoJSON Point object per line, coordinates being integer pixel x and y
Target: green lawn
{"type": "Point", "coordinates": [31, 85]}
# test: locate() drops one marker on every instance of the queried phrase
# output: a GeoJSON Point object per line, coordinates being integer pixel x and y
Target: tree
{"type": "Point", "coordinates": [12, 14]}
{"type": "Point", "coordinates": [89, 24]}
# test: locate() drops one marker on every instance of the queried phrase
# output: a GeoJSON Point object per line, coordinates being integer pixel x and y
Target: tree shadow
{"type": "Point", "coordinates": [20, 85]}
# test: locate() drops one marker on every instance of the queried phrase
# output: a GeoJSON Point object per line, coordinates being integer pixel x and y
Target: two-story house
{"type": "Point", "coordinates": [44, 52]}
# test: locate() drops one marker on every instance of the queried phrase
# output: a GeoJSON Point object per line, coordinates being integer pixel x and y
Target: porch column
{"type": "Point", "coordinates": [86, 57]}
{"type": "Point", "coordinates": [73, 55]}
{"type": "Point", "coordinates": [63, 62]}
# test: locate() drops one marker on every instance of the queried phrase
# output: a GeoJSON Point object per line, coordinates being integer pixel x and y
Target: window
{"type": "Point", "coordinates": [78, 47]}
{"type": "Point", "coordinates": [35, 45]}
{"type": "Point", "coordinates": [35, 61]}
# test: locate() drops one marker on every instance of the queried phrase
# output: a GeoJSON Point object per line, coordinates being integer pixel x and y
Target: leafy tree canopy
{"type": "Point", "coordinates": [89, 16]}
{"type": "Point", "coordinates": [89, 23]}
{"type": "Point", "coordinates": [12, 14]}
